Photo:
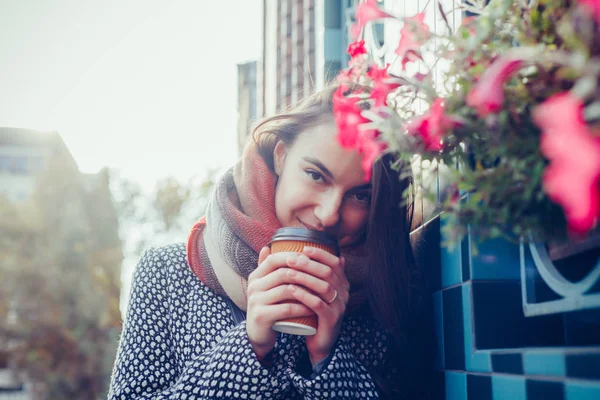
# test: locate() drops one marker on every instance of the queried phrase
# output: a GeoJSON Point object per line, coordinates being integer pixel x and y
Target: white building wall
{"type": "Point", "coordinates": [19, 166]}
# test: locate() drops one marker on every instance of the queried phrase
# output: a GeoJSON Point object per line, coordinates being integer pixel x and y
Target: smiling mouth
{"type": "Point", "coordinates": [307, 226]}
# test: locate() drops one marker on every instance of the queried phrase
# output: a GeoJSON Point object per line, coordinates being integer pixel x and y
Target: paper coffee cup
{"type": "Point", "coordinates": [294, 240]}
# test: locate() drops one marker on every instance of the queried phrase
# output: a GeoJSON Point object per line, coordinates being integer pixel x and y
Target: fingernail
{"type": "Point", "coordinates": [292, 260]}
{"type": "Point", "coordinates": [309, 250]}
{"type": "Point", "coordinates": [302, 259]}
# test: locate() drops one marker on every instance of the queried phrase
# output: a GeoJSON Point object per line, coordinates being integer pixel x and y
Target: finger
{"type": "Point", "coordinates": [324, 257]}
{"type": "Point", "coordinates": [315, 303]}
{"type": "Point", "coordinates": [272, 313]}
{"type": "Point", "coordinates": [272, 262]}
{"type": "Point", "coordinates": [275, 295]}
{"type": "Point", "coordinates": [264, 252]}
{"type": "Point", "coordinates": [284, 276]}
{"type": "Point", "coordinates": [315, 268]}
{"type": "Point", "coordinates": [317, 286]}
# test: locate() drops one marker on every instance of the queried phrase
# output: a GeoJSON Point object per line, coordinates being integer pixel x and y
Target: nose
{"type": "Point", "coordinates": [327, 210]}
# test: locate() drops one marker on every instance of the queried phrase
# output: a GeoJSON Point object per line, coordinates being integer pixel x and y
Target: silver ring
{"type": "Point", "coordinates": [334, 297]}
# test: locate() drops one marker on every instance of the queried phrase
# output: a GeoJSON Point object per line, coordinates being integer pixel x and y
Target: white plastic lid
{"type": "Point", "coordinates": [294, 328]}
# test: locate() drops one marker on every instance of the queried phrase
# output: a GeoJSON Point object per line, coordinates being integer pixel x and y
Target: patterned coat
{"type": "Point", "coordinates": [180, 341]}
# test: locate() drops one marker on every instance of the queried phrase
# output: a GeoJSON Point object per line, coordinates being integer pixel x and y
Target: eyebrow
{"type": "Point", "coordinates": [322, 167]}
{"type": "Point", "coordinates": [319, 165]}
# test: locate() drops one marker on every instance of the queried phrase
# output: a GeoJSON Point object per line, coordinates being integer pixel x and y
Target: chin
{"type": "Point", "coordinates": [346, 241]}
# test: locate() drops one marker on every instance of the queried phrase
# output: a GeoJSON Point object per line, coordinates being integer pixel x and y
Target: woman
{"type": "Point", "coordinates": [199, 323]}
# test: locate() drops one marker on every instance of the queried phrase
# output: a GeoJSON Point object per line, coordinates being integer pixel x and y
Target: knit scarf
{"type": "Point", "coordinates": [223, 246]}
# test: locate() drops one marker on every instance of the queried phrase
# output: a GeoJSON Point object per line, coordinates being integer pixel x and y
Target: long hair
{"type": "Point", "coordinates": [395, 284]}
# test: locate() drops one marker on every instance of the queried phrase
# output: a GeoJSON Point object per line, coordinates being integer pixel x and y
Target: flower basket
{"type": "Point", "coordinates": [504, 108]}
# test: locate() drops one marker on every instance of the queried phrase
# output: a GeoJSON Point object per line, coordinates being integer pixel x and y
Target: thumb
{"type": "Point", "coordinates": [264, 252]}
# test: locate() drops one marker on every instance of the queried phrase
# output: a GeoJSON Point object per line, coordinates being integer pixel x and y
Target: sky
{"type": "Point", "coordinates": [147, 88]}
{"type": "Point", "coordinates": [144, 87]}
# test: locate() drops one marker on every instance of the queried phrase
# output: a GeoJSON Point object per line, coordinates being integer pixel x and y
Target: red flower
{"type": "Point", "coordinates": [366, 12]}
{"type": "Point", "coordinates": [573, 177]}
{"type": "Point", "coordinates": [348, 118]}
{"type": "Point", "coordinates": [487, 96]}
{"type": "Point", "coordinates": [347, 115]}
{"type": "Point", "coordinates": [357, 48]}
{"type": "Point", "coordinates": [409, 47]}
{"type": "Point", "coordinates": [371, 149]}
{"type": "Point", "coordinates": [432, 125]}
{"type": "Point", "coordinates": [382, 84]}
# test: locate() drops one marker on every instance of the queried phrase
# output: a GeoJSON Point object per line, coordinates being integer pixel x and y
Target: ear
{"type": "Point", "coordinates": [279, 153]}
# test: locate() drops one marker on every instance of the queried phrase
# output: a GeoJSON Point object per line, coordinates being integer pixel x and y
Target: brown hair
{"type": "Point", "coordinates": [395, 284]}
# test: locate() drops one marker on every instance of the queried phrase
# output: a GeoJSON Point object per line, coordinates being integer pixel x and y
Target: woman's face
{"type": "Point", "coordinates": [321, 186]}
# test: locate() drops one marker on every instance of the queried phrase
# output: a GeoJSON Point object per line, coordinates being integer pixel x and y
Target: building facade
{"type": "Point", "coordinates": [23, 153]}
{"type": "Point", "coordinates": [303, 47]}
{"type": "Point", "coordinates": [246, 101]}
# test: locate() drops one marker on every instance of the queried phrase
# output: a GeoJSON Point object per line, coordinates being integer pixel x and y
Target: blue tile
{"type": "Point", "coordinates": [508, 388]}
{"type": "Point", "coordinates": [500, 322]}
{"type": "Point", "coordinates": [545, 390]}
{"type": "Point", "coordinates": [479, 387]}
{"type": "Point", "coordinates": [510, 363]}
{"type": "Point", "coordinates": [496, 259]}
{"type": "Point", "coordinates": [438, 309]}
{"type": "Point", "coordinates": [583, 366]}
{"type": "Point", "coordinates": [454, 351]}
{"type": "Point", "coordinates": [456, 386]}
{"type": "Point", "coordinates": [543, 362]}
{"type": "Point", "coordinates": [451, 265]}
{"type": "Point", "coordinates": [425, 241]}
{"type": "Point", "coordinates": [475, 360]}
{"type": "Point", "coordinates": [582, 390]}
{"type": "Point", "coordinates": [438, 386]}
{"type": "Point", "coordinates": [582, 328]}
{"type": "Point", "coordinates": [465, 259]}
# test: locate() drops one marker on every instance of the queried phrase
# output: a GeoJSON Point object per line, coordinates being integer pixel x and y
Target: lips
{"type": "Point", "coordinates": [307, 226]}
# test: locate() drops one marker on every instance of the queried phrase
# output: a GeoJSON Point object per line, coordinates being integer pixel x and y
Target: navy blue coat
{"type": "Point", "coordinates": [181, 341]}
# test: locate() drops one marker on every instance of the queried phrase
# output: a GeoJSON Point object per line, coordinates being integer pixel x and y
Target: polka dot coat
{"type": "Point", "coordinates": [180, 341]}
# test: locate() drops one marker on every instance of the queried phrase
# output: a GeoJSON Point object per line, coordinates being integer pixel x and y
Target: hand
{"type": "Point", "coordinates": [323, 274]}
{"type": "Point", "coordinates": [267, 287]}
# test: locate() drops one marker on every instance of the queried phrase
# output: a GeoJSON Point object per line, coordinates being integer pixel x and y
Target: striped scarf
{"type": "Point", "coordinates": [223, 246]}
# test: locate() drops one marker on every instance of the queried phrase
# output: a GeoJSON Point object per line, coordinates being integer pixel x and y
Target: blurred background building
{"type": "Point", "coordinates": [65, 222]}
{"type": "Point", "coordinates": [23, 154]}
{"type": "Point", "coordinates": [246, 101]}
{"type": "Point", "coordinates": [303, 47]}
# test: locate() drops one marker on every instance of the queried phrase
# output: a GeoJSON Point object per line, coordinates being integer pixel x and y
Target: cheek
{"type": "Point", "coordinates": [288, 199]}
{"type": "Point", "coordinates": [355, 219]}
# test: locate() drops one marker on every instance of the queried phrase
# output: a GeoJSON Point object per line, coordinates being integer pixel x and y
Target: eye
{"type": "Point", "coordinates": [315, 176]}
{"type": "Point", "coordinates": [362, 198]}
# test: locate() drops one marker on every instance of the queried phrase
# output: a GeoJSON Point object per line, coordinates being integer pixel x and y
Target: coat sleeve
{"type": "Point", "coordinates": [146, 366]}
{"type": "Point", "coordinates": [347, 375]}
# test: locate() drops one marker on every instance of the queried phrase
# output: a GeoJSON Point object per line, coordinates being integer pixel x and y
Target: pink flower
{"type": "Point", "coordinates": [594, 7]}
{"type": "Point", "coordinates": [348, 118]}
{"type": "Point", "coordinates": [357, 48]}
{"type": "Point", "coordinates": [371, 150]}
{"type": "Point", "coordinates": [467, 23]}
{"type": "Point", "coordinates": [414, 30]}
{"type": "Point", "coordinates": [487, 96]}
{"type": "Point", "coordinates": [347, 115]}
{"type": "Point", "coordinates": [432, 125]}
{"type": "Point", "coordinates": [366, 12]}
{"type": "Point", "coordinates": [573, 177]}
{"type": "Point", "coordinates": [382, 84]}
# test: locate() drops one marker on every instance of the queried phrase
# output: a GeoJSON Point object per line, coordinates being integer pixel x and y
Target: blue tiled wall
{"type": "Point", "coordinates": [486, 347]}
